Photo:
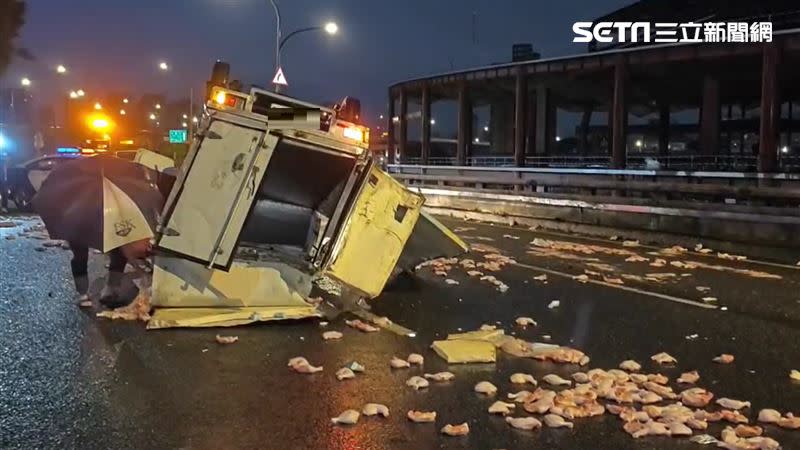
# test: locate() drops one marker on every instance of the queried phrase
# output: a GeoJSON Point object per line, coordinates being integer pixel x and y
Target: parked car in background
{"type": "Point", "coordinates": [26, 178]}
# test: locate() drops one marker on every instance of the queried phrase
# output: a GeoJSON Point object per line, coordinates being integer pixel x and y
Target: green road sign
{"type": "Point", "coordinates": [177, 136]}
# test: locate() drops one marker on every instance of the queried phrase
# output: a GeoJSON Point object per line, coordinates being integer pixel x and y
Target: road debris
{"type": "Point", "coordinates": [704, 439]}
{"type": "Point", "coordinates": [525, 322]}
{"type": "Point", "coordinates": [226, 340]}
{"type": "Point", "coordinates": [462, 351]}
{"type": "Point", "coordinates": [703, 288]}
{"type": "Point", "coordinates": [417, 383]}
{"type": "Point", "coordinates": [138, 309]}
{"type": "Point", "coordinates": [421, 416]}
{"type": "Point", "coordinates": [769, 416]}
{"type": "Point", "coordinates": [724, 359]}
{"type": "Point", "coordinates": [361, 326]}
{"type": "Point", "coordinates": [664, 358]}
{"type": "Point", "coordinates": [329, 335]}
{"type": "Point", "coordinates": [583, 278]}
{"type": "Point", "coordinates": [731, 441]}
{"type": "Point", "coordinates": [794, 375]}
{"type": "Point", "coordinates": [440, 376]}
{"type": "Point", "coordinates": [730, 403]}
{"type": "Point", "coordinates": [542, 277]}
{"type": "Point", "coordinates": [636, 258]}
{"type": "Point", "coordinates": [630, 365]}
{"type": "Point", "coordinates": [397, 363]}
{"type": "Point", "coordinates": [486, 388]}
{"type": "Point", "coordinates": [689, 377]}
{"type": "Point", "coordinates": [709, 299]}
{"type": "Point", "coordinates": [580, 377]}
{"type": "Point", "coordinates": [345, 373]}
{"type": "Point", "coordinates": [349, 417]}
{"type": "Point", "coordinates": [501, 407]}
{"type": "Point", "coordinates": [451, 282]}
{"type": "Point", "coordinates": [301, 365]}
{"type": "Point", "coordinates": [554, 304]}
{"type": "Point", "coordinates": [522, 378]}
{"type": "Point", "coordinates": [748, 431]}
{"type": "Point", "coordinates": [521, 396]}
{"type": "Point", "coordinates": [510, 236]}
{"type": "Point", "coordinates": [630, 243]}
{"type": "Point", "coordinates": [375, 409]}
{"type": "Point", "coordinates": [728, 256]}
{"type": "Point", "coordinates": [555, 380]}
{"type": "Point", "coordinates": [355, 366]}
{"type": "Point", "coordinates": [659, 262]}
{"type": "Point", "coordinates": [456, 430]}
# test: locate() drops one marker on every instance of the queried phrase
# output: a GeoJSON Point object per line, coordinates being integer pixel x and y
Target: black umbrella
{"type": "Point", "coordinates": [103, 202]}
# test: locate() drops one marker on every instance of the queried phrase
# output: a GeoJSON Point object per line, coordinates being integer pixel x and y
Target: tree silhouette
{"type": "Point", "coordinates": [12, 17]}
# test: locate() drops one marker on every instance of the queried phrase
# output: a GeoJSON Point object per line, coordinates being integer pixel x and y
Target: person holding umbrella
{"type": "Point", "coordinates": [106, 203]}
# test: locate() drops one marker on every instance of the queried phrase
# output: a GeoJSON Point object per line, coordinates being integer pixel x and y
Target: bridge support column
{"type": "Point", "coordinates": [709, 119]}
{"type": "Point", "coordinates": [464, 126]}
{"type": "Point", "coordinates": [770, 110]}
{"type": "Point", "coordinates": [544, 111]}
{"type": "Point", "coordinates": [402, 139]}
{"type": "Point", "coordinates": [520, 122]}
{"type": "Point", "coordinates": [426, 125]}
{"type": "Point", "coordinates": [390, 145]}
{"type": "Point", "coordinates": [619, 113]}
{"type": "Point", "coordinates": [663, 127]}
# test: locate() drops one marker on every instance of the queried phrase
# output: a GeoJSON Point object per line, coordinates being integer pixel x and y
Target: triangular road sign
{"type": "Point", "coordinates": [279, 78]}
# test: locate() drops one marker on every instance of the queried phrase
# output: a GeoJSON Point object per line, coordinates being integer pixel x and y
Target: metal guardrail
{"type": "Point", "coordinates": [736, 163]}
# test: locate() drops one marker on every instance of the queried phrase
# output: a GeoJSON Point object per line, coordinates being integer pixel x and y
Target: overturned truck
{"type": "Point", "coordinates": [277, 194]}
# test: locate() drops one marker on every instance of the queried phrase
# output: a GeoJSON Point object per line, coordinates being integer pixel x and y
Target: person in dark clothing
{"type": "Point", "coordinates": [80, 273]}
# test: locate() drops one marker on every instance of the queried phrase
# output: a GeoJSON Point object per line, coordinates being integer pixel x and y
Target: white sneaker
{"type": "Point", "coordinates": [84, 301]}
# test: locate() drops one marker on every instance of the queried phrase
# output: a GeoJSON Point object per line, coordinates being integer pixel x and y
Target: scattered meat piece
{"type": "Point", "coordinates": [664, 358]}
{"type": "Point", "coordinates": [456, 430]}
{"type": "Point", "coordinates": [417, 383]}
{"type": "Point", "coordinates": [638, 378]}
{"type": "Point", "coordinates": [361, 326]}
{"type": "Point", "coordinates": [794, 375]}
{"type": "Point", "coordinates": [348, 417]}
{"type": "Point", "coordinates": [630, 243]}
{"type": "Point", "coordinates": [451, 281]}
{"type": "Point", "coordinates": [522, 378]}
{"type": "Point", "coordinates": [651, 428]}
{"type": "Point", "coordinates": [475, 273]}
{"type": "Point", "coordinates": [345, 373]}
{"type": "Point", "coordinates": [696, 397]}
{"type": "Point", "coordinates": [732, 416]}
{"type": "Point", "coordinates": [397, 363]}
{"type": "Point", "coordinates": [374, 409]}
{"type": "Point", "coordinates": [789, 421]}
{"type": "Point", "coordinates": [748, 431]}
{"type": "Point", "coordinates": [663, 391]}
{"type": "Point", "coordinates": [485, 387]}
{"type": "Point", "coordinates": [697, 424]}
{"type": "Point", "coordinates": [723, 359]}
{"type": "Point", "coordinates": [226, 339]}
{"type": "Point", "coordinates": [659, 262]}
{"type": "Point", "coordinates": [657, 378]}
{"type": "Point", "coordinates": [542, 277]}
{"type": "Point", "coordinates": [85, 304]}
{"type": "Point", "coordinates": [501, 407]}
{"type": "Point", "coordinates": [382, 321]}
{"type": "Point", "coordinates": [301, 365]}
{"type": "Point", "coordinates": [421, 416]}
{"type": "Point", "coordinates": [486, 327]}
{"type": "Point", "coordinates": [689, 377]}
{"type": "Point", "coordinates": [524, 423]}
{"type": "Point", "coordinates": [731, 441]}
{"type": "Point", "coordinates": [580, 377]}
{"type": "Point", "coordinates": [521, 397]}
{"type": "Point", "coordinates": [510, 236]}
{"type": "Point", "coordinates": [710, 300]}
{"type": "Point", "coordinates": [440, 376]}
{"type": "Point", "coordinates": [554, 421]}
{"type": "Point", "coordinates": [769, 416]}
{"type": "Point", "coordinates": [415, 359]}
{"type": "Point", "coordinates": [619, 376]}
{"type": "Point", "coordinates": [541, 405]}
{"type": "Point", "coordinates": [679, 429]}
{"type": "Point", "coordinates": [633, 426]}
{"type": "Point", "coordinates": [583, 278]}
{"type": "Point", "coordinates": [555, 380]}
{"type": "Point", "coordinates": [636, 258]}
{"type": "Point", "coordinates": [525, 321]}
{"type": "Point", "coordinates": [329, 335]}
{"type": "Point", "coordinates": [613, 280]}
{"type": "Point", "coordinates": [647, 397]}
{"type": "Point", "coordinates": [730, 403]}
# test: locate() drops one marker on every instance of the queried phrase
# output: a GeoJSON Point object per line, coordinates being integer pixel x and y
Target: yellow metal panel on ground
{"type": "Point", "coordinates": [496, 337]}
{"type": "Point", "coordinates": [226, 317]}
{"type": "Point", "coordinates": [383, 218]}
{"type": "Point", "coordinates": [465, 351]}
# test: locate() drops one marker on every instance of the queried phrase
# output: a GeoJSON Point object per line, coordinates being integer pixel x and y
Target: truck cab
{"type": "Point", "coordinates": [271, 185]}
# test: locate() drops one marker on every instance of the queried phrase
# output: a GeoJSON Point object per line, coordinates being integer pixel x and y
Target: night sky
{"type": "Point", "coordinates": [116, 44]}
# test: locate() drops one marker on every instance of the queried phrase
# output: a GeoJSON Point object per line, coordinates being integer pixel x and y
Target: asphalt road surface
{"type": "Point", "coordinates": [71, 380]}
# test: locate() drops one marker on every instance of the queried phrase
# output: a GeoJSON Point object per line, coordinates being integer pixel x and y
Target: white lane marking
{"type": "Point", "coordinates": [671, 298]}
{"type": "Point", "coordinates": [618, 244]}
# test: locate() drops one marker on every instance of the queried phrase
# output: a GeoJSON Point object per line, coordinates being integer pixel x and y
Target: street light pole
{"type": "Point", "coordinates": [277, 37]}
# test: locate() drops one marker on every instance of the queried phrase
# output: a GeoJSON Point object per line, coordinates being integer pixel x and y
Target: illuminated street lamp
{"type": "Point", "coordinates": [125, 100]}
{"type": "Point", "coordinates": [331, 28]}
{"type": "Point", "coordinates": [122, 112]}
{"type": "Point", "coordinates": [195, 119]}
{"type": "Point", "coordinates": [158, 105]}
{"type": "Point", "coordinates": [61, 69]}
{"type": "Point", "coordinates": [98, 106]}
{"type": "Point", "coordinates": [80, 93]}
{"type": "Point", "coordinates": [152, 116]}
{"type": "Point", "coordinates": [163, 66]}
{"type": "Point", "coordinates": [184, 124]}
{"type": "Point", "coordinates": [25, 81]}
{"type": "Point", "coordinates": [185, 116]}
{"type": "Point", "coordinates": [433, 121]}
{"type": "Point", "coordinates": [73, 94]}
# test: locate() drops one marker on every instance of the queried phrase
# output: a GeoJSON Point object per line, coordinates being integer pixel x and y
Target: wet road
{"type": "Point", "coordinates": [68, 379]}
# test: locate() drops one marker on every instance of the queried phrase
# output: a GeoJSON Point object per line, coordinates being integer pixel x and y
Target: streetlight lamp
{"type": "Point", "coordinates": [73, 95]}
{"type": "Point", "coordinates": [61, 69]}
{"type": "Point", "coordinates": [163, 66]}
{"type": "Point", "coordinates": [98, 106]}
{"type": "Point", "coordinates": [25, 81]}
{"type": "Point", "coordinates": [125, 100]}
{"type": "Point", "coordinates": [80, 93]}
